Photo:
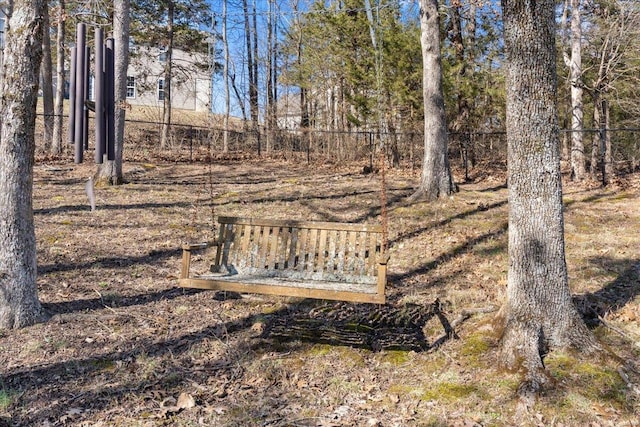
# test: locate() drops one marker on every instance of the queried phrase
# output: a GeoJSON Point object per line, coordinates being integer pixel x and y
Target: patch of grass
{"type": "Point", "coordinates": [450, 391]}
{"type": "Point", "coordinates": [473, 347]}
{"type": "Point", "coordinates": [396, 357]}
{"type": "Point", "coordinates": [6, 398]}
{"type": "Point", "coordinates": [586, 381]}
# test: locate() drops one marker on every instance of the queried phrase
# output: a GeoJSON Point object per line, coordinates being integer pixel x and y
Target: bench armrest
{"type": "Point", "coordinates": [196, 246]}
{"type": "Point", "coordinates": [383, 259]}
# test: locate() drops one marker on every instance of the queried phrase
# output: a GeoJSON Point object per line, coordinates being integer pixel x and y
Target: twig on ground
{"type": "Point", "coordinates": [619, 331]}
{"type": "Point", "coordinates": [451, 326]}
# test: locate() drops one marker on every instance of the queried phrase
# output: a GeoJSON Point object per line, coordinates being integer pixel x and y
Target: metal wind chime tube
{"type": "Point", "coordinates": [101, 142]}
{"type": "Point", "coordinates": [103, 91]}
{"type": "Point", "coordinates": [79, 105]}
{"type": "Point", "coordinates": [109, 83]}
{"type": "Point", "coordinates": [72, 96]}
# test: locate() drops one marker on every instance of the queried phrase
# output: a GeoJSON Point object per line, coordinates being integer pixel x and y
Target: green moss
{"type": "Point", "coordinates": [474, 347]}
{"type": "Point", "coordinates": [6, 398]}
{"type": "Point", "coordinates": [448, 391]}
{"type": "Point", "coordinates": [396, 357]}
{"type": "Point", "coordinates": [319, 350]}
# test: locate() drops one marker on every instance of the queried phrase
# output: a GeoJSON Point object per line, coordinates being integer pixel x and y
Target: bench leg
{"type": "Point", "coordinates": [186, 264]}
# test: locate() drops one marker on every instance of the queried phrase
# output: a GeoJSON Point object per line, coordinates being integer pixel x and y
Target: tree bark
{"type": "Point", "coordinates": [578, 170]}
{"type": "Point", "coordinates": [225, 73]}
{"type": "Point", "coordinates": [110, 172]}
{"type": "Point", "coordinates": [57, 146]}
{"type": "Point", "coordinates": [538, 314]}
{"type": "Point", "coordinates": [436, 180]}
{"type": "Point", "coordinates": [19, 305]}
{"type": "Point", "coordinates": [168, 75]}
{"type": "Point", "coordinates": [47, 81]}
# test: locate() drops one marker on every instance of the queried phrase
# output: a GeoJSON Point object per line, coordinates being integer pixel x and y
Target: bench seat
{"type": "Point", "coordinates": [325, 260]}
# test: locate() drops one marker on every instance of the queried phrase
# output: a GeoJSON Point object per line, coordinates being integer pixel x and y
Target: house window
{"type": "Point", "coordinates": [162, 56]}
{"type": "Point", "coordinates": [131, 87]}
{"type": "Point", "coordinates": [160, 89]}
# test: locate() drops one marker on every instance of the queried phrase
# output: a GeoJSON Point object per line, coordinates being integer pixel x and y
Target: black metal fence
{"type": "Point", "coordinates": [195, 143]}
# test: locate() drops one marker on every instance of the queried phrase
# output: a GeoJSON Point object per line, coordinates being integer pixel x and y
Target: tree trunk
{"type": "Point", "coordinates": [168, 75]}
{"type": "Point", "coordinates": [436, 180]}
{"type": "Point", "coordinates": [225, 72]}
{"type": "Point", "coordinates": [110, 171]}
{"type": "Point", "coordinates": [538, 313]}
{"type": "Point", "coordinates": [19, 305]}
{"type": "Point", "coordinates": [47, 81]}
{"type": "Point", "coordinates": [578, 170]}
{"type": "Point", "coordinates": [57, 145]}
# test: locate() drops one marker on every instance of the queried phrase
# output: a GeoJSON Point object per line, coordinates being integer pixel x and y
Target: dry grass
{"type": "Point", "coordinates": [124, 347]}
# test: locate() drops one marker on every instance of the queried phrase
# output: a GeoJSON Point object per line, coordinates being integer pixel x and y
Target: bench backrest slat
{"type": "Point", "coordinates": [300, 250]}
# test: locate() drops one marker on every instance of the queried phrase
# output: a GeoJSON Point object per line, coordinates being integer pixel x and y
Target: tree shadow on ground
{"type": "Point", "coordinates": [83, 305]}
{"type": "Point", "coordinates": [366, 326]}
{"type": "Point", "coordinates": [111, 262]}
{"type": "Point", "coordinates": [615, 295]}
{"type": "Point", "coordinates": [65, 384]}
{"type": "Point", "coordinates": [75, 388]}
{"type": "Point", "coordinates": [454, 252]}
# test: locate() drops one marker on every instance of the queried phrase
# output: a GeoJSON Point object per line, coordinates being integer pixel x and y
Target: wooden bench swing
{"type": "Point", "coordinates": [323, 260]}
{"type": "Point", "coordinates": [309, 259]}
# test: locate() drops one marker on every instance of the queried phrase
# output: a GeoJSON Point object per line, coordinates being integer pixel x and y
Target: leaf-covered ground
{"type": "Point", "coordinates": [124, 346]}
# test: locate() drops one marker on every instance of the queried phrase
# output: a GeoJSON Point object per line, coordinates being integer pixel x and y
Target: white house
{"type": "Point", "coordinates": [190, 83]}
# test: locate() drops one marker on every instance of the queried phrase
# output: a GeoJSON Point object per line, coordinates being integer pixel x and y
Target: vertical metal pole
{"type": "Point", "coordinates": [72, 96]}
{"type": "Point", "coordinates": [110, 99]}
{"type": "Point", "coordinates": [603, 140]}
{"type": "Point", "coordinates": [98, 87]}
{"type": "Point", "coordinates": [87, 95]}
{"type": "Point", "coordinates": [79, 95]}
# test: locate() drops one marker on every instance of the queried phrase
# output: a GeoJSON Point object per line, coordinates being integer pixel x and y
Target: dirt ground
{"type": "Point", "coordinates": [125, 347]}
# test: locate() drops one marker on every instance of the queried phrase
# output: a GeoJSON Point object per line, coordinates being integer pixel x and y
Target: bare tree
{"type": "Point", "coordinates": [538, 313]}
{"type": "Point", "coordinates": [19, 305]}
{"type": "Point", "coordinates": [573, 61]}
{"type": "Point", "coordinates": [47, 80]}
{"type": "Point", "coordinates": [168, 76]}
{"type": "Point", "coordinates": [110, 171]}
{"type": "Point", "coordinates": [436, 180]}
{"type": "Point", "coordinates": [57, 146]}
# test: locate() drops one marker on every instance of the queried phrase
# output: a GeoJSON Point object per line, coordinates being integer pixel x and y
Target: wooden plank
{"type": "Point", "coordinates": [244, 248]}
{"type": "Point", "coordinates": [331, 256]}
{"type": "Point", "coordinates": [322, 248]}
{"type": "Point", "coordinates": [341, 249]}
{"type": "Point", "coordinates": [361, 263]}
{"type": "Point", "coordinates": [312, 251]}
{"type": "Point", "coordinates": [350, 262]}
{"type": "Point", "coordinates": [186, 263]}
{"type": "Point", "coordinates": [226, 243]}
{"type": "Point", "coordinates": [373, 253]}
{"type": "Point", "coordinates": [282, 255]}
{"type": "Point", "coordinates": [302, 249]}
{"type": "Point", "coordinates": [236, 255]}
{"type": "Point", "coordinates": [217, 259]}
{"type": "Point", "coordinates": [293, 291]}
{"type": "Point", "coordinates": [263, 246]}
{"type": "Point", "coordinates": [301, 224]}
{"type": "Point", "coordinates": [273, 248]}
{"type": "Point", "coordinates": [293, 248]}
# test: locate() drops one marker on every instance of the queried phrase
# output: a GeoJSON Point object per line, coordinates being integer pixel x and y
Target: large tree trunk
{"type": "Point", "coordinates": [19, 305]}
{"type": "Point", "coordinates": [57, 146]}
{"type": "Point", "coordinates": [110, 171]}
{"type": "Point", "coordinates": [47, 81]}
{"type": "Point", "coordinates": [436, 178]}
{"type": "Point", "coordinates": [538, 313]}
